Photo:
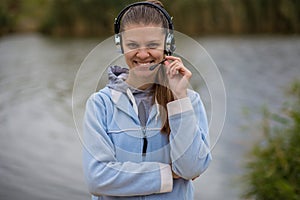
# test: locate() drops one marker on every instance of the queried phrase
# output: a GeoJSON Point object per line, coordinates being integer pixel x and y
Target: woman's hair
{"type": "Point", "coordinates": [144, 14]}
{"type": "Point", "coordinates": [163, 95]}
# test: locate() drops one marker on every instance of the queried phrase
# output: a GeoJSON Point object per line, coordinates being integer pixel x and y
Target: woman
{"type": "Point", "coordinates": [145, 133]}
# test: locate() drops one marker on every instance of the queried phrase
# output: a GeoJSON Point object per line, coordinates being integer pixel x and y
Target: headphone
{"type": "Point", "coordinates": [169, 39]}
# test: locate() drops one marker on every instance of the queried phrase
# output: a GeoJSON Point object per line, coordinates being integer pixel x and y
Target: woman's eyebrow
{"type": "Point", "coordinates": [156, 41]}
{"type": "Point", "coordinates": [128, 40]}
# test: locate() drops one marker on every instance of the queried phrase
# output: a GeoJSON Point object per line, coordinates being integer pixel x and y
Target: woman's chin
{"type": "Point", "coordinates": [142, 70]}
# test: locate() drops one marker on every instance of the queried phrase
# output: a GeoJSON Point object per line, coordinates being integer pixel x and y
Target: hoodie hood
{"type": "Point", "coordinates": [117, 80]}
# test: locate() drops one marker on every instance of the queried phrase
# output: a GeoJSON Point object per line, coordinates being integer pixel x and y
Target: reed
{"type": "Point", "coordinates": [192, 17]}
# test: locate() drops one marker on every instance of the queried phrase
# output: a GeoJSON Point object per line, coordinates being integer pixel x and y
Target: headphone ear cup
{"type": "Point", "coordinates": [170, 44]}
{"type": "Point", "coordinates": [118, 42]}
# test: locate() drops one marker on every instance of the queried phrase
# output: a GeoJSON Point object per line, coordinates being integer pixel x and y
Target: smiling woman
{"type": "Point", "coordinates": [145, 128]}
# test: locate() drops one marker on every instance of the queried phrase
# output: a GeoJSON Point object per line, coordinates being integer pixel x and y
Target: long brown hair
{"type": "Point", "coordinates": [144, 14]}
{"type": "Point", "coordinates": [163, 95]}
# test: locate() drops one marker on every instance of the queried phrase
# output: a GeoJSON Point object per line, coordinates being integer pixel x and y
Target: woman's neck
{"type": "Point", "coordinates": [139, 83]}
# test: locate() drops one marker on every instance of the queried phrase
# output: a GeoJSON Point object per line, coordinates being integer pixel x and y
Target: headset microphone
{"type": "Point", "coordinates": [151, 68]}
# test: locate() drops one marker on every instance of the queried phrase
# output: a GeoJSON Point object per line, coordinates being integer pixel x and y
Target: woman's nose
{"type": "Point", "coordinates": [143, 53]}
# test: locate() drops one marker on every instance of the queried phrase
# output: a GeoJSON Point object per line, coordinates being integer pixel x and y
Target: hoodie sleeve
{"type": "Point", "coordinates": [189, 139]}
{"type": "Point", "coordinates": [104, 174]}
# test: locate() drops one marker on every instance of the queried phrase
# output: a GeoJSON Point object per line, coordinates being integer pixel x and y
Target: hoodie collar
{"type": "Point", "coordinates": [117, 80]}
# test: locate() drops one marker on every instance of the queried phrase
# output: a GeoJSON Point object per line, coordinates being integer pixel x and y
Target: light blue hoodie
{"type": "Point", "coordinates": [113, 163]}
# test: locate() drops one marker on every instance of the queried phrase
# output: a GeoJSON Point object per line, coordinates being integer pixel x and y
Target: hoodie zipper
{"type": "Point", "coordinates": [145, 141]}
{"type": "Point", "coordinates": [143, 127]}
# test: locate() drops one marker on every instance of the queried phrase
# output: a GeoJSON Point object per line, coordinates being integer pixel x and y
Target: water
{"type": "Point", "coordinates": [40, 152]}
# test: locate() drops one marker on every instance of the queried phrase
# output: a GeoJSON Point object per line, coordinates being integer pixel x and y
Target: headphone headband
{"type": "Point", "coordinates": [162, 10]}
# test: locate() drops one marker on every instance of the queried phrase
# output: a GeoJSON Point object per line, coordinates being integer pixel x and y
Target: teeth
{"type": "Point", "coordinates": [144, 64]}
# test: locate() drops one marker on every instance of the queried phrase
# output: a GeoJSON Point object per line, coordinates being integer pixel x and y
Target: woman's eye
{"type": "Point", "coordinates": [132, 45]}
{"type": "Point", "coordinates": [153, 45]}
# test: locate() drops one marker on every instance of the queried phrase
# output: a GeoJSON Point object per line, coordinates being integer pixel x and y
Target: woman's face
{"type": "Point", "coordinates": [143, 47]}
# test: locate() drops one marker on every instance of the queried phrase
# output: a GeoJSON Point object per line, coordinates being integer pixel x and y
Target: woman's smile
{"type": "Point", "coordinates": [144, 64]}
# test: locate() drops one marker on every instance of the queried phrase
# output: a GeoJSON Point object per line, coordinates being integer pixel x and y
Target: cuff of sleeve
{"type": "Point", "coordinates": [179, 106]}
{"type": "Point", "coordinates": [166, 178]}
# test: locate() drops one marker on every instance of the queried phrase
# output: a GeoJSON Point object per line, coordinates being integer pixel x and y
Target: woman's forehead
{"type": "Point", "coordinates": [149, 32]}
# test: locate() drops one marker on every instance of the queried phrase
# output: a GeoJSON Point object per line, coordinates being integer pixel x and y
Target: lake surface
{"type": "Point", "coordinates": [40, 151]}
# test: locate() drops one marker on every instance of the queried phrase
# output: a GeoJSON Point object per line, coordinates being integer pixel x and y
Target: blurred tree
{"type": "Point", "coordinates": [193, 17]}
{"type": "Point", "coordinates": [274, 169]}
{"type": "Point", "coordinates": [8, 12]}
{"type": "Point", "coordinates": [81, 17]}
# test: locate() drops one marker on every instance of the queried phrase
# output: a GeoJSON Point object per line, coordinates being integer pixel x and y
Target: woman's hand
{"type": "Point", "coordinates": [178, 76]}
{"type": "Point", "coordinates": [175, 176]}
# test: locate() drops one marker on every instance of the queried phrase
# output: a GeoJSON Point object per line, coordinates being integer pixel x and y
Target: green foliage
{"type": "Point", "coordinates": [193, 17]}
{"type": "Point", "coordinates": [274, 170]}
{"type": "Point", "coordinates": [21, 15]}
{"type": "Point", "coordinates": [78, 17]}
{"type": "Point", "coordinates": [8, 10]}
